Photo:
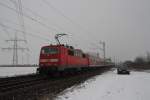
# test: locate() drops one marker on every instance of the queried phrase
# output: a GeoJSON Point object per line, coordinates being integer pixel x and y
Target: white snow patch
{"type": "Point", "coordinates": [15, 71]}
{"type": "Point", "coordinates": [111, 86]}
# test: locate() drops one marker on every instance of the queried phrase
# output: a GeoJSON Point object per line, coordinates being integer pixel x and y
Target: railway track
{"type": "Point", "coordinates": [9, 85]}
{"type": "Point", "coordinates": [34, 86]}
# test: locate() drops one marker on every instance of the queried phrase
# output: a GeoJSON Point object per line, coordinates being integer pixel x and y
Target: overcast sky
{"type": "Point", "coordinates": [123, 24]}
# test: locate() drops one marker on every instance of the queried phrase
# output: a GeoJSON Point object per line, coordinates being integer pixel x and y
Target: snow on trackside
{"type": "Point", "coordinates": [111, 86]}
{"type": "Point", "coordinates": [15, 71]}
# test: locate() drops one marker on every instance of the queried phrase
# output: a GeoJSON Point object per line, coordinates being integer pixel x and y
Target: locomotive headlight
{"type": "Point", "coordinates": [43, 60]}
{"type": "Point", "coordinates": [54, 60]}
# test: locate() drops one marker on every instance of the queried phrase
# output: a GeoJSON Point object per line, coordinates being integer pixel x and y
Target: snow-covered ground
{"type": "Point", "coordinates": [14, 71]}
{"type": "Point", "coordinates": [111, 86]}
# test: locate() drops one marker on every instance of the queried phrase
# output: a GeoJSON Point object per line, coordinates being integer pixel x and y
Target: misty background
{"type": "Point", "coordinates": [124, 25]}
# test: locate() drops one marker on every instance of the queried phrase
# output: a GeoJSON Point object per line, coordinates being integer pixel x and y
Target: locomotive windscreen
{"type": "Point", "coordinates": [49, 50]}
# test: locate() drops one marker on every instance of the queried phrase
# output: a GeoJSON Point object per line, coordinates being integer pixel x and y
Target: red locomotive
{"type": "Point", "coordinates": [56, 58]}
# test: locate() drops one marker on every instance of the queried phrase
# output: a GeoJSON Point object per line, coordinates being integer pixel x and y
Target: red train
{"type": "Point", "coordinates": [61, 58]}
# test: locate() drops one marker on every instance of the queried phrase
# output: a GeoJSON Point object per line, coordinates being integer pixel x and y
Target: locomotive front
{"type": "Point", "coordinates": [49, 59]}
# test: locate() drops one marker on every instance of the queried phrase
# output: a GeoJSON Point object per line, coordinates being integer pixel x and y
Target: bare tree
{"type": "Point", "coordinates": [148, 57]}
{"type": "Point", "coordinates": [139, 60]}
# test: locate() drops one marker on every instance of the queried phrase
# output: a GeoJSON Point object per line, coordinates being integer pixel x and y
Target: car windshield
{"type": "Point", "coordinates": [48, 50]}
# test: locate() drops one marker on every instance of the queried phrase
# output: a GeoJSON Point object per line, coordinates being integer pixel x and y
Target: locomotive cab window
{"type": "Point", "coordinates": [71, 52]}
{"type": "Point", "coordinates": [83, 55]}
{"type": "Point", "coordinates": [48, 50]}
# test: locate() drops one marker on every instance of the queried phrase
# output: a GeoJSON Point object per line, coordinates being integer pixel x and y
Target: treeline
{"type": "Point", "coordinates": [140, 62]}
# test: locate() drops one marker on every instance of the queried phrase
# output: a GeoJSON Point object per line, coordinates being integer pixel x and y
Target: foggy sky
{"type": "Point", "coordinates": [123, 24]}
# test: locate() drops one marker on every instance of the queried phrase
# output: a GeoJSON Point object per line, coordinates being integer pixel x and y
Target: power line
{"type": "Point", "coordinates": [27, 54]}
{"type": "Point", "coordinates": [11, 22]}
{"type": "Point", "coordinates": [29, 33]}
{"type": "Point", "coordinates": [29, 17]}
{"type": "Point", "coordinates": [2, 37]}
{"type": "Point", "coordinates": [36, 14]}
{"type": "Point", "coordinates": [21, 19]}
{"type": "Point", "coordinates": [46, 2]}
{"type": "Point", "coordinates": [5, 30]}
{"type": "Point", "coordinates": [15, 41]}
{"type": "Point", "coordinates": [62, 14]}
{"type": "Point", "coordinates": [41, 17]}
{"type": "Point", "coordinates": [18, 6]}
{"type": "Point", "coordinates": [15, 47]}
{"type": "Point", "coordinates": [24, 14]}
{"type": "Point", "coordinates": [45, 19]}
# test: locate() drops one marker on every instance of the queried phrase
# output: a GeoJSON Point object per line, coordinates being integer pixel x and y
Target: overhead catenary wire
{"type": "Point", "coordinates": [31, 18]}
{"type": "Point", "coordinates": [45, 19]}
{"type": "Point", "coordinates": [74, 23]}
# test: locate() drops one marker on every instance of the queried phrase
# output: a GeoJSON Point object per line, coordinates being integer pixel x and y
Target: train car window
{"type": "Point", "coordinates": [75, 53]}
{"type": "Point", "coordinates": [83, 55]}
{"type": "Point", "coordinates": [71, 52]}
{"type": "Point", "coordinates": [78, 53]}
{"type": "Point", "coordinates": [48, 50]}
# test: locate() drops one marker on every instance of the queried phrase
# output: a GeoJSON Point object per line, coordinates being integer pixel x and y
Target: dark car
{"type": "Point", "coordinates": [122, 69]}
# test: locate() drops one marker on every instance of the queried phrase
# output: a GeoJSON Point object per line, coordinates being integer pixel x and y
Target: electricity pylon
{"type": "Point", "coordinates": [15, 48]}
